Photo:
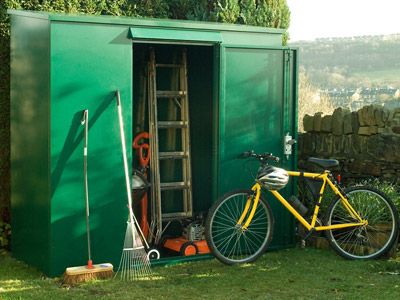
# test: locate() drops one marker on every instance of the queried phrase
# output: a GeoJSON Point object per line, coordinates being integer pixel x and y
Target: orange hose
{"type": "Point", "coordinates": [143, 161]}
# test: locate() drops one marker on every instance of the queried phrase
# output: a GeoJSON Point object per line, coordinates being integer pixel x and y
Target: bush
{"type": "Point", "coordinates": [5, 234]}
{"type": "Point", "coordinates": [388, 188]}
{"type": "Point", "coordinates": [5, 229]}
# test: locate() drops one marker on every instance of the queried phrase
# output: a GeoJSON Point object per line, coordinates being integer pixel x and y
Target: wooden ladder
{"type": "Point", "coordinates": [178, 101]}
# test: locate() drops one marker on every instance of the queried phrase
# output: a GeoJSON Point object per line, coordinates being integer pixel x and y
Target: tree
{"type": "Point", "coordinates": [310, 100]}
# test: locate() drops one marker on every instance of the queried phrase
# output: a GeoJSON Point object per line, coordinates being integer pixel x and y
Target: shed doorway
{"type": "Point", "coordinates": [174, 100]}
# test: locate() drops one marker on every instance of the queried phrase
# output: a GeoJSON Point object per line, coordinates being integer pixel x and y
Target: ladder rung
{"type": "Point", "coordinates": [173, 186]}
{"type": "Point", "coordinates": [172, 124]}
{"type": "Point", "coordinates": [170, 94]}
{"type": "Point", "coordinates": [172, 155]}
{"type": "Point", "coordinates": [176, 215]}
{"type": "Point", "coordinates": [168, 66]}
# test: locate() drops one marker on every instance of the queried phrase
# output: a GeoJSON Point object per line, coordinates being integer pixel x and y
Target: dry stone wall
{"type": "Point", "coordinates": [366, 142]}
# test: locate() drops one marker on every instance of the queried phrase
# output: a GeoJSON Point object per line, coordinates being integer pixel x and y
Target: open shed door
{"type": "Point", "coordinates": [258, 104]}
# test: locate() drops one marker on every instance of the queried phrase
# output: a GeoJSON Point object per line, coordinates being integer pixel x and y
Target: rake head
{"type": "Point", "coordinates": [134, 264]}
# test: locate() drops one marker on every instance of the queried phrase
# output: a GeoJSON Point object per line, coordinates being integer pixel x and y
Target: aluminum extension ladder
{"type": "Point", "coordinates": [178, 101]}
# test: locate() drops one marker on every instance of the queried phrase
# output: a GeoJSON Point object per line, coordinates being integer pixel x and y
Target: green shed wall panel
{"type": "Point", "coordinates": [30, 39]}
{"type": "Point", "coordinates": [88, 64]}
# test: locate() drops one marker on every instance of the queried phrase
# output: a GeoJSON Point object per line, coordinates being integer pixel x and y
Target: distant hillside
{"type": "Point", "coordinates": [366, 61]}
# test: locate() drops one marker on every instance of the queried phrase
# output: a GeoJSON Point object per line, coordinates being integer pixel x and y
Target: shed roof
{"type": "Point", "coordinates": [147, 22]}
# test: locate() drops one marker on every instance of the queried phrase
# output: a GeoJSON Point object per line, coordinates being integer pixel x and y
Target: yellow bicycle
{"type": "Point", "coordinates": [360, 223]}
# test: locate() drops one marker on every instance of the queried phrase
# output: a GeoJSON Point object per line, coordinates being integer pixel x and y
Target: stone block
{"type": "Point", "coordinates": [365, 130]}
{"type": "Point", "coordinates": [365, 168]}
{"type": "Point", "coordinates": [396, 112]}
{"type": "Point", "coordinates": [308, 144]}
{"type": "Point", "coordinates": [390, 148]}
{"type": "Point", "coordinates": [308, 123]}
{"type": "Point", "coordinates": [337, 146]}
{"type": "Point", "coordinates": [347, 140]}
{"type": "Point", "coordinates": [396, 129]}
{"type": "Point", "coordinates": [366, 115]}
{"type": "Point", "coordinates": [354, 121]}
{"type": "Point", "coordinates": [337, 120]}
{"type": "Point", "coordinates": [300, 139]}
{"type": "Point", "coordinates": [358, 145]}
{"type": "Point", "coordinates": [383, 130]}
{"type": "Point", "coordinates": [375, 147]}
{"type": "Point", "coordinates": [372, 169]}
{"type": "Point", "coordinates": [370, 115]}
{"type": "Point", "coordinates": [317, 121]}
{"type": "Point", "coordinates": [355, 166]}
{"type": "Point", "coordinates": [319, 144]}
{"type": "Point", "coordinates": [385, 116]}
{"type": "Point", "coordinates": [326, 124]}
{"type": "Point", "coordinates": [379, 116]}
{"type": "Point", "coordinates": [373, 129]}
{"type": "Point", "coordinates": [360, 117]}
{"type": "Point", "coordinates": [327, 145]}
{"type": "Point", "coordinates": [390, 117]}
{"type": "Point", "coordinates": [347, 124]}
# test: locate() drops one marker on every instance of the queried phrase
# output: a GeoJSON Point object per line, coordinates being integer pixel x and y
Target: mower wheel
{"type": "Point", "coordinates": [188, 248]}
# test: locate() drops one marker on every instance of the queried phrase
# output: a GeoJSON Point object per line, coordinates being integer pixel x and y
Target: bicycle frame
{"type": "Point", "coordinates": [310, 226]}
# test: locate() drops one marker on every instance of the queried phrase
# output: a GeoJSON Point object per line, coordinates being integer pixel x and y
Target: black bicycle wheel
{"type": "Point", "coordinates": [227, 240]}
{"type": "Point", "coordinates": [371, 240]}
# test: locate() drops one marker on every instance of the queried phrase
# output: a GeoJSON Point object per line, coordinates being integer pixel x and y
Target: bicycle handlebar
{"type": "Point", "coordinates": [261, 157]}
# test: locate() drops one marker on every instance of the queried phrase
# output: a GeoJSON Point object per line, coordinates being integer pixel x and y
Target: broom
{"type": "Point", "coordinates": [80, 274]}
{"type": "Point", "coordinates": [135, 262]}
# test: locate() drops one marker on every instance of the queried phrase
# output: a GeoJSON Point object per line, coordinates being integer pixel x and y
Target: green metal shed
{"type": "Point", "coordinates": [242, 90]}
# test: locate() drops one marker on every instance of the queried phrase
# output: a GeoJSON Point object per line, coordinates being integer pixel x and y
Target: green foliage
{"type": "Point", "coordinates": [388, 188]}
{"type": "Point", "coordinates": [180, 9]}
{"type": "Point", "coordinates": [227, 11]}
{"type": "Point", "coordinates": [200, 10]}
{"type": "Point", "coordinates": [5, 234]}
{"type": "Point", "coordinates": [248, 11]}
{"type": "Point", "coordinates": [264, 13]}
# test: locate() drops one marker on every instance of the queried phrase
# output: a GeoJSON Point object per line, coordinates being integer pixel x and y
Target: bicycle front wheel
{"type": "Point", "coordinates": [368, 241]}
{"type": "Point", "coordinates": [227, 239]}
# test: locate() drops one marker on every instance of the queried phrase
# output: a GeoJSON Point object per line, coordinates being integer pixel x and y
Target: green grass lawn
{"type": "Point", "coordinates": [286, 274]}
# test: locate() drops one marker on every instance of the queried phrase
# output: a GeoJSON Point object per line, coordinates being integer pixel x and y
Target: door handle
{"type": "Point", "coordinates": [289, 141]}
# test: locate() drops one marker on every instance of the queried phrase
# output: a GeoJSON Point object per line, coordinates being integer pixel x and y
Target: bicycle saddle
{"type": "Point", "coordinates": [323, 163]}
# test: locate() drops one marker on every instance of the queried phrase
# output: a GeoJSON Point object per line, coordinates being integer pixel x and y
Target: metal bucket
{"type": "Point", "coordinates": [139, 185]}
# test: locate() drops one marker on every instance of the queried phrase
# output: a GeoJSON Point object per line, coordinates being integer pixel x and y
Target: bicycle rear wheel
{"type": "Point", "coordinates": [227, 240]}
{"type": "Point", "coordinates": [369, 241]}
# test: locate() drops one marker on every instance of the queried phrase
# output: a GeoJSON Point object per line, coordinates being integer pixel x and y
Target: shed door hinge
{"type": "Point", "coordinates": [288, 55]}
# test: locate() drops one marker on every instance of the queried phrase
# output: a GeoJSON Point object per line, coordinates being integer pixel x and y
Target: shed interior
{"type": "Point", "coordinates": [201, 100]}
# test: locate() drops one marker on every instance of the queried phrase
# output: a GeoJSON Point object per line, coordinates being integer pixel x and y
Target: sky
{"type": "Point", "coordinates": [312, 19]}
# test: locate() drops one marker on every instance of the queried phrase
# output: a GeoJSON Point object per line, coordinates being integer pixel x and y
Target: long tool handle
{"type": "Point", "coordinates": [126, 170]}
{"type": "Point", "coordinates": [85, 123]}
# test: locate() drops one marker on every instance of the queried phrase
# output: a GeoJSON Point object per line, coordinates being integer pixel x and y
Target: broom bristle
{"type": "Point", "coordinates": [82, 274]}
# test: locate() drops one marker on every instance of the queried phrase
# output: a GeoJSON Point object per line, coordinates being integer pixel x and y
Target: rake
{"type": "Point", "coordinates": [135, 262]}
